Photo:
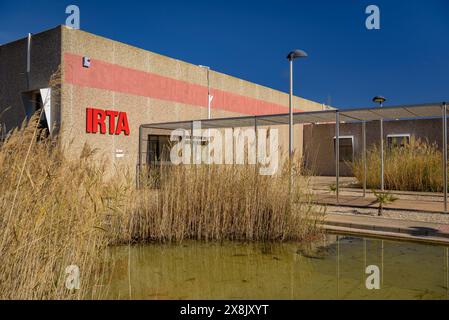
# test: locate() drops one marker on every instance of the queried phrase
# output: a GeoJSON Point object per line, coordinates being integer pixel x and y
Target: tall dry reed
{"type": "Point", "coordinates": [222, 203]}
{"type": "Point", "coordinates": [57, 211]}
{"type": "Point", "coordinates": [417, 166]}
{"type": "Point", "coordinates": [52, 214]}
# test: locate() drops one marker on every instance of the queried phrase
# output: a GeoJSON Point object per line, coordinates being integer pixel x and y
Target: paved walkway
{"type": "Point", "coordinates": [324, 181]}
{"type": "Point", "coordinates": [384, 227]}
{"type": "Point", "coordinates": [352, 196]}
{"type": "Point", "coordinates": [387, 228]}
{"type": "Point", "coordinates": [421, 205]}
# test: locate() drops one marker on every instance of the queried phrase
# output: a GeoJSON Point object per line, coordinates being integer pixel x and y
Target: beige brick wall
{"type": "Point", "coordinates": [143, 110]}
{"type": "Point", "coordinates": [45, 59]}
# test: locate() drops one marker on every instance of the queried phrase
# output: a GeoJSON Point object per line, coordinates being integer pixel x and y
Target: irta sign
{"type": "Point", "coordinates": [106, 121]}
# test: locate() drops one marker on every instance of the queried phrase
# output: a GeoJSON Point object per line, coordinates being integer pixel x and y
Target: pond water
{"type": "Point", "coordinates": [332, 268]}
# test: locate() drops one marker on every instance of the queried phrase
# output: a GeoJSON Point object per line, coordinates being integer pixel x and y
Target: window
{"type": "Point", "coordinates": [398, 140]}
{"type": "Point", "coordinates": [158, 149]}
{"type": "Point", "coordinates": [346, 148]}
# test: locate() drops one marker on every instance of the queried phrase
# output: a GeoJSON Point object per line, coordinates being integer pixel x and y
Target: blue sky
{"type": "Point", "coordinates": [407, 60]}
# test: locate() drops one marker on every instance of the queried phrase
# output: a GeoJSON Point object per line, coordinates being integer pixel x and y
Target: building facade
{"type": "Point", "coordinates": [98, 92]}
{"type": "Point", "coordinates": [319, 141]}
{"type": "Point", "coordinates": [108, 89]}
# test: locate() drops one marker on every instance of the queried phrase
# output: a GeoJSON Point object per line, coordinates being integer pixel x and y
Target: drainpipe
{"type": "Point", "coordinates": [209, 111]}
{"type": "Point", "coordinates": [28, 61]}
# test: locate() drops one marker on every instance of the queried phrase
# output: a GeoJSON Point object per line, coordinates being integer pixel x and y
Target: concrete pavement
{"type": "Point", "coordinates": [421, 205]}
{"type": "Point", "coordinates": [387, 228]}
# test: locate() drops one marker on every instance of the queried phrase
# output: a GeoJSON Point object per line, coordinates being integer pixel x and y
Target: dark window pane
{"type": "Point", "coordinates": [346, 149]}
{"type": "Point", "coordinates": [398, 141]}
{"type": "Point", "coordinates": [158, 148]}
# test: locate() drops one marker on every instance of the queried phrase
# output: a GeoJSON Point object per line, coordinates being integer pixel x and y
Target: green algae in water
{"type": "Point", "coordinates": [324, 269]}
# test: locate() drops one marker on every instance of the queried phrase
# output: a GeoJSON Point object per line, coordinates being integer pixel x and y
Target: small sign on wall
{"type": "Point", "coordinates": [106, 122]}
{"type": "Point", "coordinates": [119, 153]}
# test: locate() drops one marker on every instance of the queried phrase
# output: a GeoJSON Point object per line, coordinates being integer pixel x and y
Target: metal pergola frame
{"type": "Point", "coordinates": [360, 115]}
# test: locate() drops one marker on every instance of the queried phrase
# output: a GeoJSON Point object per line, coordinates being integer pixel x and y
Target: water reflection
{"type": "Point", "coordinates": [331, 268]}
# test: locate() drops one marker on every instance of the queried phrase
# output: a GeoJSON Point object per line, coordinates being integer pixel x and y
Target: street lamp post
{"type": "Point", "coordinates": [380, 100]}
{"type": "Point", "coordinates": [292, 56]}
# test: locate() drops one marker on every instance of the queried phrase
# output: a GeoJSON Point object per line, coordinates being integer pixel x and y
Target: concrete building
{"type": "Point", "coordinates": [108, 89]}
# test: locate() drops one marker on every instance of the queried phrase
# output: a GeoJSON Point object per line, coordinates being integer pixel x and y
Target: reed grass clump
{"type": "Point", "coordinates": [417, 166]}
{"type": "Point", "coordinates": [52, 215]}
{"type": "Point", "coordinates": [223, 203]}
{"type": "Point", "coordinates": [58, 211]}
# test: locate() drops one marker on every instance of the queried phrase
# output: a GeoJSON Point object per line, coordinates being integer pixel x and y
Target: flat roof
{"type": "Point", "coordinates": [393, 113]}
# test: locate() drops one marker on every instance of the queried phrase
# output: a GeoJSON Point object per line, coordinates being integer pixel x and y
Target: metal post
{"type": "Point", "coordinates": [364, 260]}
{"type": "Point", "coordinates": [290, 117]}
{"type": "Point", "coordinates": [382, 181]}
{"type": "Point", "coordinates": [364, 157]}
{"type": "Point", "coordinates": [445, 155]}
{"type": "Point", "coordinates": [382, 271]}
{"type": "Point", "coordinates": [139, 162]}
{"type": "Point", "coordinates": [292, 277]}
{"type": "Point", "coordinates": [337, 154]}
{"type": "Point", "coordinates": [364, 254]}
{"type": "Point", "coordinates": [338, 266]}
{"type": "Point", "coordinates": [446, 260]}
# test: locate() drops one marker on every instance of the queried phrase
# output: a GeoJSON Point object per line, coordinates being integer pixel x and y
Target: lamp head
{"type": "Point", "coordinates": [296, 54]}
{"type": "Point", "coordinates": [379, 99]}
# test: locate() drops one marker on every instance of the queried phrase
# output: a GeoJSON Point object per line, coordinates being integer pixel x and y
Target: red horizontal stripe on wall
{"type": "Point", "coordinates": [112, 77]}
